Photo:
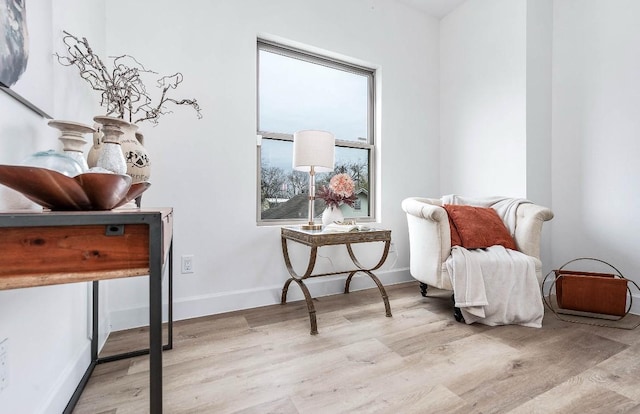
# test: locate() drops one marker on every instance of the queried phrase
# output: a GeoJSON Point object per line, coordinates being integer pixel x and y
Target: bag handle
{"type": "Point", "coordinates": [547, 299]}
{"type": "Point", "coordinates": [595, 260]}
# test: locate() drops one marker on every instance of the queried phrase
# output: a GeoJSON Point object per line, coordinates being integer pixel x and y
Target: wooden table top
{"type": "Point", "coordinates": [53, 247]}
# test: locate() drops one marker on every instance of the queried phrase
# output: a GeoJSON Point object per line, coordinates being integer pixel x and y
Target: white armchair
{"type": "Point", "coordinates": [430, 238]}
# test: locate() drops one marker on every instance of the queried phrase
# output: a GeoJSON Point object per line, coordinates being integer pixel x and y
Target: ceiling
{"type": "Point", "coordinates": [436, 8]}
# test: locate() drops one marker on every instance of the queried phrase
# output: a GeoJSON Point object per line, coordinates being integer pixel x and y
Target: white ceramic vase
{"type": "Point", "coordinates": [332, 214]}
{"type": "Point", "coordinates": [72, 138]}
{"type": "Point", "coordinates": [111, 157]}
{"type": "Point", "coordinates": [131, 144]}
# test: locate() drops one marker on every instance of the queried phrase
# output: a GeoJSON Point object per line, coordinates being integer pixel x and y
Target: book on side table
{"type": "Point", "coordinates": [344, 228]}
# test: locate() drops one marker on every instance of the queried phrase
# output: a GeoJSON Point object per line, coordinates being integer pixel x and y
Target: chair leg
{"type": "Point", "coordinates": [423, 289]}
{"type": "Point", "coordinates": [457, 313]}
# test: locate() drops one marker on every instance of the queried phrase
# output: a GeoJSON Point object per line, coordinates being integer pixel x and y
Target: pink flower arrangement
{"type": "Point", "coordinates": [340, 191]}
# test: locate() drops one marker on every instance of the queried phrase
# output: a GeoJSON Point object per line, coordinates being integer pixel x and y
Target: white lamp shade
{"type": "Point", "coordinates": [313, 149]}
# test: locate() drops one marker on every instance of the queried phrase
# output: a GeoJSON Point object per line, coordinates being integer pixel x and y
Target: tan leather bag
{"type": "Point", "coordinates": [591, 292]}
{"type": "Point", "coordinates": [596, 295]}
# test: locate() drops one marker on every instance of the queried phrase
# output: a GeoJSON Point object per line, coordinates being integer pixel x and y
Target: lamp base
{"type": "Point", "coordinates": [311, 226]}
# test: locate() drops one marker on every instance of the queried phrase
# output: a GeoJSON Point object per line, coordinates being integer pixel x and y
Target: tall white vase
{"type": "Point", "coordinates": [135, 154]}
{"type": "Point", "coordinates": [72, 138]}
{"type": "Point", "coordinates": [111, 157]}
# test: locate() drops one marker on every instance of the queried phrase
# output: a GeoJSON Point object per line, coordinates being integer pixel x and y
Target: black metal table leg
{"type": "Point", "coordinates": [95, 359]}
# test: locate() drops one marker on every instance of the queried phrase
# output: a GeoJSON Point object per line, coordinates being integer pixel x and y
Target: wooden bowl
{"type": "Point", "coordinates": [56, 191]}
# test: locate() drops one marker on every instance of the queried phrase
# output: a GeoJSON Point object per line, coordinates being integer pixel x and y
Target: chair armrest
{"type": "Point", "coordinates": [429, 238]}
{"type": "Point", "coordinates": [426, 208]}
{"type": "Point", "coordinates": [529, 220]}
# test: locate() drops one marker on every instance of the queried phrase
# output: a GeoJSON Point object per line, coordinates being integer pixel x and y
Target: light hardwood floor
{"type": "Point", "coordinates": [419, 361]}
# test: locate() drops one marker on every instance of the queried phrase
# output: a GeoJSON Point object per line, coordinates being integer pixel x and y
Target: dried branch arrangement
{"type": "Point", "coordinates": [122, 91]}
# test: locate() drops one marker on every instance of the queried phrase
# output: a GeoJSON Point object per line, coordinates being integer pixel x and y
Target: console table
{"type": "Point", "coordinates": [318, 238]}
{"type": "Point", "coordinates": [51, 247]}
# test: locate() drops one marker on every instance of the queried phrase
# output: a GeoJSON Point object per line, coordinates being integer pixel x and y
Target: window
{"type": "Point", "coordinates": [299, 90]}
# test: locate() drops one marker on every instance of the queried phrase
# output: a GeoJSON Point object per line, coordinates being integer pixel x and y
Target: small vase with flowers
{"type": "Point", "coordinates": [340, 191]}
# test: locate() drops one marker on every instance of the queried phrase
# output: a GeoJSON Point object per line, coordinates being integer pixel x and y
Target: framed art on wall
{"type": "Point", "coordinates": [26, 53]}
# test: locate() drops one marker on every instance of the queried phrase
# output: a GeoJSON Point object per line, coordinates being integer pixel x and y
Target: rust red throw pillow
{"type": "Point", "coordinates": [479, 227]}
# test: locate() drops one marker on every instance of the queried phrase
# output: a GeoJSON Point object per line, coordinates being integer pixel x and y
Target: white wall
{"type": "Point", "coordinates": [47, 327]}
{"type": "Point", "coordinates": [495, 98]}
{"type": "Point", "coordinates": [596, 130]}
{"type": "Point", "coordinates": [483, 108]}
{"type": "Point", "coordinates": [538, 101]}
{"type": "Point", "coordinates": [206, 169]}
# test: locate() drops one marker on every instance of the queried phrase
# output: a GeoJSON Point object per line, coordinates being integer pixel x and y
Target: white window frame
{"type": "Point", "coordinates": [315, 58]}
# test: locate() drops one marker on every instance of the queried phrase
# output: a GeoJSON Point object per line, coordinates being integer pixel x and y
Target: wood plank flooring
{"type": "Point", "coordinates": [419, 361]}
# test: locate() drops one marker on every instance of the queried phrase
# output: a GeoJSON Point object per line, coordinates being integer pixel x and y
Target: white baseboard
{"type": "Point", "coordinates": [67, 382]}
{"type": "Point", "coordinates": [197, 306]}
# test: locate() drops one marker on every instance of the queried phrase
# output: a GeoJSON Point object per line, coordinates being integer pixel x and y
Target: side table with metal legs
{"type": "Point", "coordinates": [317, 238]}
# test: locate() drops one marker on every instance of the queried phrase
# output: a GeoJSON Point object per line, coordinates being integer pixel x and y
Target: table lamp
{"type": "Point", "coordinates": [313, 151]}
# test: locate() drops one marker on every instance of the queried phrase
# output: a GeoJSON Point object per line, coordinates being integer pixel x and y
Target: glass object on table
{"type": "Point", "coordinates": [55, 161]}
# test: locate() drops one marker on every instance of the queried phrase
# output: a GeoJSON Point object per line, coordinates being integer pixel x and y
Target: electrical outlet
{"type": "Point", "coordinates": [187, 263]}
{"type": "Point", "coordinates": [4, 364]}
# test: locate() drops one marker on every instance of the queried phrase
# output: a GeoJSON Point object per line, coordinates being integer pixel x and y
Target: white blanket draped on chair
{"type": "Point", "coordinates": [492, 294]}
{"type": "Point", "coordinates": [489, 291]}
